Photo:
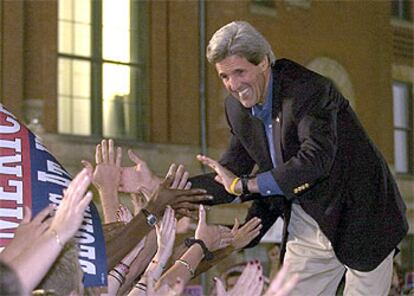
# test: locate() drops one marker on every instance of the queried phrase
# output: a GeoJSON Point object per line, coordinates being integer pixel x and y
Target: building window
{"type": "Point", "coordinates": [403, 133]}
{"type": "Point", "coordinates": [401, 9]}
{"type": "Point", "coordinates": [101, 68]}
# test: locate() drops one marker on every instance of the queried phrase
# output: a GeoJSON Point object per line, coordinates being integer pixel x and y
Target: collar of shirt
{"type": "Point", "coordinates": [264, 111]}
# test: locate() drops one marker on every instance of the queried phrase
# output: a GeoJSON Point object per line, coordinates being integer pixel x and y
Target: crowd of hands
{"type": "Point", "coordinates": [142, 260]}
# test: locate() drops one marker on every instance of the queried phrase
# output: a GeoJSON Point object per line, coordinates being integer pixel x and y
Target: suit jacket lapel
{"type": "Point", "coordinates": [277, 114]}
{"type": "Point", "coordinates": [255, 141]}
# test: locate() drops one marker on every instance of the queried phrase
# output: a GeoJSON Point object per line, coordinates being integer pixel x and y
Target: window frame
{"type": "Point", "coordinates": [403, 9]}
{"type": "Point", "coordinates": [409, 130]}
{"type": "Point", "coordinates": [139, 13]}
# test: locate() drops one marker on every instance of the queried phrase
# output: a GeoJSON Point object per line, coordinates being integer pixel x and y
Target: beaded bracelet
{"type": "Point", "coordinates": [185, 263]}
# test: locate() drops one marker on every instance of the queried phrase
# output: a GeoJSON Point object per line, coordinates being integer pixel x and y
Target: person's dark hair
{"type": "Point", "coordinates": [9, 282]}
{"type": "Point", "coordinates": [239, 38]}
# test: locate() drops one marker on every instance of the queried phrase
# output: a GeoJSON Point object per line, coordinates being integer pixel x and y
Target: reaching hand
{"type": "Point", "coordinates": [214, 236]}
{"type": "Point", "coordinates": [27, 231]}
{"type": "Point", "coordinates": [250, 282]}
{"type": "Point", "coordinates": [69, 214]}
{"type": "Point", "coordinates": [165, 236]}
{"type": "Point", "coordinates": [107, 174]}
{"type": "Point", "coordinates": [244, 235]}
{"type": "Point", "coordinates": [123, 214]}
{"type": "Point", "coordinates": [180, 177]}
{"type": "Point", "coordinates": [177, 199]}
{"type": "Point", "coordinates": [135, 177]}
{"type": "Point", "coordinates": [224, 176]}
{"type": "Point", "coordinates": [279, 286]}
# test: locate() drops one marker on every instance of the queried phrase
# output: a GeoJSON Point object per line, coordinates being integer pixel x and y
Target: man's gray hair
{"type": "Point", "coordinates": [239, 38]}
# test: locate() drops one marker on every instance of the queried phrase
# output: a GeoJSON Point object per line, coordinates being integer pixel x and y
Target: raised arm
{"type": "Point", "coordinates": [106, 177]}
{"type": "Point", "coordinates": [34, 262]}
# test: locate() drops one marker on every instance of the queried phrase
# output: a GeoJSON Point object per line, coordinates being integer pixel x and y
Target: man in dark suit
{"type": "Point", "coordinates": [313, 164]}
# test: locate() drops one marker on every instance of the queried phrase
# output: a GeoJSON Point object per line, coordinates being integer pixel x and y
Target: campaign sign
{"type": "Point", "coordinates": [31, 176]}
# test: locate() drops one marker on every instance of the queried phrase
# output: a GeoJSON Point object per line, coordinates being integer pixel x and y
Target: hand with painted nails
{"type": "Point", "coordinates": [27, 231]}
{"type": "Point", "coordinates": [70, 213]}
{"type": "Point", "coordinates": [139, 176]}
{"type": "Point", "coordinates": [280, 285]}
{"type": "Point", "coordinates": [215, 237]}
{"type": "Point", "coordinates": [224, 176]}
{"type": "Point", "coordinates": [244, 235]}
{"type": "Point", "coordinates": [250, 282]}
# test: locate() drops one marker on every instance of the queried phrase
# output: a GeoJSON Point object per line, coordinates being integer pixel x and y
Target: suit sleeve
{"type": "Point", "coordinates": [316, 134]}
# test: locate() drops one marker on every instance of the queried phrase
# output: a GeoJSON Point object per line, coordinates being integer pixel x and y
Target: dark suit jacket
{"type": "Point", "coordinates": [325, 161]}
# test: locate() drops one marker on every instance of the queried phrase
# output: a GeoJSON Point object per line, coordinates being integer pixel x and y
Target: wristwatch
{"type": "Point", "coordinates": [151, 218]}
{"type": "Point", "coordinates": [244, 180]}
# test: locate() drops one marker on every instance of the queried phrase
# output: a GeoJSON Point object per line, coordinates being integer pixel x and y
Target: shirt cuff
{"type": "Point", "coordinates": [267, 184]}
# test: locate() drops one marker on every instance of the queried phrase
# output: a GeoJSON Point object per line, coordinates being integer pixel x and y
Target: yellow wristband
{"type": "Point", "coordinates": [232, 185]}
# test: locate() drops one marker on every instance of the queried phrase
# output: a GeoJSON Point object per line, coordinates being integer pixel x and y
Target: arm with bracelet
{"type": "Point", "coordinates": [165, 241]}
{"type": "Point", "coordinates": [208, 238]}
{"type": "Point", "coordinates": [117, 277]}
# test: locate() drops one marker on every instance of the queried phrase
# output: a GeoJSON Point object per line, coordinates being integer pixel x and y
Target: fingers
{"type": "Point", "coordinates": [201, 215]}
{"type": "Point", "coordinates": [187, 213]}
{"type": "Point", "coordinates": [208, 161]}
{"type": "Point", "coordinates": [180, 178]}
{"type": "Point", "coordinates": [194, 191]}
{"type": "Point", "coordinates": [118, 156]}
{"type": "Point", "coordinates": [85, 201]}
{"type": "Point", "coordinates": [98, 154]}
{"type": "Point", "coordinates": [79, 185]}
{"type": "Point", "coordinates": [218, 179]}
{"type": "Point", "coordinates": [251, 225]}
{"type": "Point", "coordinates": [254, 278]}
{"type": "Point", "coordinates": [87, 164]}
{"type": "Point", "coordinates": [111, 152]}
{"type": "Point", "coordinates": [188, 185]}
{"type": "Point", "coordinates": [172, 170]}
{"type": "Point", "coordinates": [146, 193]}
{"type": "Point", "coordinates": [134, 158]}
{"type": "Point", "coordinates": [104, 150]}
{"type": "Point", "coordinates": [221, 291]}
{"type": "Point", "coordinates": [186, 205]}
{"type": "Point", "coordinates": [168, 181]}
{"type": "Point", "coordinates": [27, 216]}
{"type": "Point", "coordinates": [43, 214]}
{"type": "Point", "coordinates": [236, 226]}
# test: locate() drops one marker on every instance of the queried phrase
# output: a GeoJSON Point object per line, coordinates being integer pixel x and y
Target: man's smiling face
{"type": "Point", "coordinates": [245, 81]}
